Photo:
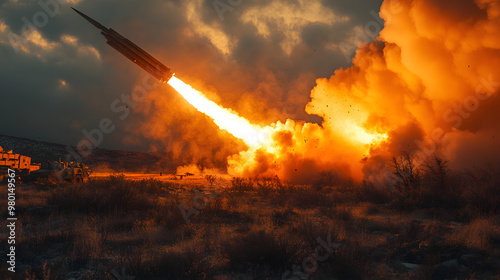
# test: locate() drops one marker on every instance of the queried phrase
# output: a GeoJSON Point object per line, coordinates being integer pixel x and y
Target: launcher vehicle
{"type": "Point", "coordinates": [62, 171]}
{"type": "Point", "coordinates": [21, 164]}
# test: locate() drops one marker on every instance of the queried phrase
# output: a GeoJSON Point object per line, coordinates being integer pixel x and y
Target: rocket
{"type": "Point", "coordinates": [131, 51]}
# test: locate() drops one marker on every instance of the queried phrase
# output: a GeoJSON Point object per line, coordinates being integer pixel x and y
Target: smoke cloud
{"type": "Point", "coordinates": [429, 85]}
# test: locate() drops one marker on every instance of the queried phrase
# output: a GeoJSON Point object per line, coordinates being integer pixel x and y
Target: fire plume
{"type": "Point", "coordinates": [225, 119]}
{"type": "Point", "coordinates": [276, 142]}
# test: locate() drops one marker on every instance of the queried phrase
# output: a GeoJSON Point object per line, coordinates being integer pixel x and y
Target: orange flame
{"type": "Point", "coordinates": [257, 137]}
{"type": "Point", "coordinates": [226, 119]}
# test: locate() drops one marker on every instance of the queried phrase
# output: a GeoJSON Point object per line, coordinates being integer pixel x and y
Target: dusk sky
{"type": "Point", "coordinates": [64, 77]}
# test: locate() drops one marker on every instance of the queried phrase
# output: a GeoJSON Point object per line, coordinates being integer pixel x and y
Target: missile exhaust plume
{"type": "Point", "coordinates": [227, 120]}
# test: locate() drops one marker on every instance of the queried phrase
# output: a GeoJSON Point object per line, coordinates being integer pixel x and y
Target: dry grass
{"type": "Point", "coordinates": [112, 195]}
{"type": "Point", "coordinates": [254, 229]}
{"type": "Point", "coordinates": [482, 234]}
{"type": "Point", "coordinates": [259, 247]}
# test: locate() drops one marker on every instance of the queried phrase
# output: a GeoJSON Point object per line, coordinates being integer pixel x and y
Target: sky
{"type": "Point", "coordinates": [259, 58]}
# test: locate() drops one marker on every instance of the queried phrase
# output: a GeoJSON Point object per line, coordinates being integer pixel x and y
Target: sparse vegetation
{"type": "Point", "coordinates": [435, 223]}
{"type": "Point", "coordinates": [407, 174]}
{"type": "Point", "coordinates": [210, 179]}
{"type": "Point", "coordinates": [104, 196]}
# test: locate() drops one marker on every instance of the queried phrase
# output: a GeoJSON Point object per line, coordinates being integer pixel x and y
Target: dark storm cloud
{"type": "Point", "coordinates": [358, 10]}
{"type": "Point", "coordinates": [262, 67]}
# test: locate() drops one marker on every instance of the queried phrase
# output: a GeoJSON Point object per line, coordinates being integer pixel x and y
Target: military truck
{"type": "Point", "coordinates": [21, 164]}
{"type": "Point", "coordinates": [62, 171]}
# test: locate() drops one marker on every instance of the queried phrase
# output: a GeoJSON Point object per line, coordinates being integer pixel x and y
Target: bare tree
{"type": "Point", "coordinates": [408, 178]}
{"type": "Point", "coordinates": [437, 169]}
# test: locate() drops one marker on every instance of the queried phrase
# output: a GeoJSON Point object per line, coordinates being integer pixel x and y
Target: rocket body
{"type": "Point", "coordinates": [133, 52]}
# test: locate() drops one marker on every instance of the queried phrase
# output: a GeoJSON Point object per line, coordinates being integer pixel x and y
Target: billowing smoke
{"type": "Point", "coordinates": [429, 85]}
{"type": "Point", "coordinates": [434, 83]}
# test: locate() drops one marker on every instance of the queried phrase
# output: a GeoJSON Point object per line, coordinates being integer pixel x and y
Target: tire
{"type": "Point", "coordinates": [78, 179]}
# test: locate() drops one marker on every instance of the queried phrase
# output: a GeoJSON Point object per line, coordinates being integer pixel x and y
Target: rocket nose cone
{"type": "Point", "coordinates": [92, 21]}
{"type": "Point", "coordinates": [80, 13]}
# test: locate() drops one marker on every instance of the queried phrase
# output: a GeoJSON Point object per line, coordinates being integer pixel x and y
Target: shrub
{"type": "Point", "coordinates": [109, 195]}
{"type": "Point", "coordinates": [483, 191]}
{"type": "Point", "coordinates": [210, 179]}
{"type": "Point", "coordinates": [241, 185]}
{"type": "Point", "coordinates": [482, 233]}
{"type": "Point", "coordinates": [350, 261]}
{"type": "Point", "coordinates": [307, 196]}
{"type": "Point", "coordinates": [89, 241]}
{"type": "Point", "coordinates": [368, 192]}
{"type": "Point", "coordinates": [268, 185]}
{"type": "Point", "coordinates": [259, 247]}
{"type": "Point", "coordinates": [186, 263]}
